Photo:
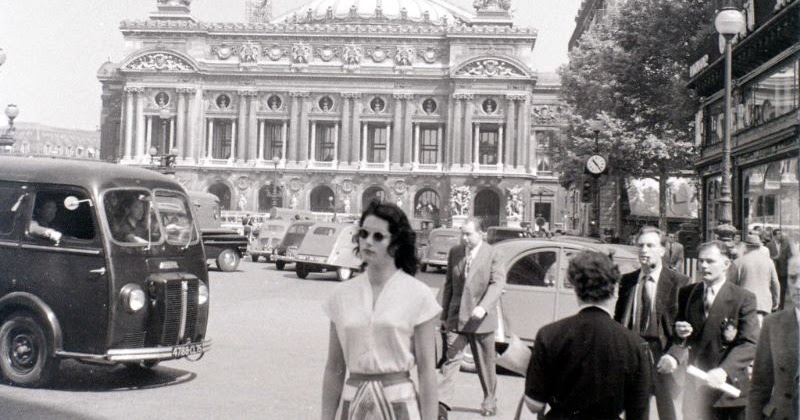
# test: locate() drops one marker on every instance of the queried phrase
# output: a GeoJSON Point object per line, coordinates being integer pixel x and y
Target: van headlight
{"type": "Point", "coordinates": [133, 297]}
{"type": "Point", "coordinates": [202, 293]}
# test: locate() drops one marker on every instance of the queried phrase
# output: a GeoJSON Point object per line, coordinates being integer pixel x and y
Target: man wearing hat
{"type": "Point", "coordinates": [756, 273]}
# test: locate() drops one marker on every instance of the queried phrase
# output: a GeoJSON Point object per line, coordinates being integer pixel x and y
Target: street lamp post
{"type": "Point", "coordinates": [275, 161]}
{"type": "Point", "coordinates": [7, 138]}
{"type": "Point", "coordinates": [332, 205]}
{"type": "Point", "coordinates": [596, 125]}
{"type": "Point", "coordinates": [728, 23]}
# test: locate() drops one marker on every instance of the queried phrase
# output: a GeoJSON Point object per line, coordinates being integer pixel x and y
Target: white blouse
{"type": "Point", "coordinates": [379, 340]}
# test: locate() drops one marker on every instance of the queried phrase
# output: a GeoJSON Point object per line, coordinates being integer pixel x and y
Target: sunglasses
{"type": "Point", "coordinates": [376, 236]}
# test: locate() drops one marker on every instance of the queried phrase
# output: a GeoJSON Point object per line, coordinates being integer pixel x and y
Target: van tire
{"type": "Point", "coordinates": [301, 270]}
{"type": "Point", "coordinates": [26, 352]}
{"type": "Point", "coordinates": [344, 273]}
{"type": "Point", "coordinates": [228, 260]}
{"type": "Point", "coordinates": [423, 267]}
{"type": "Point", "coordinates": [279, 265]}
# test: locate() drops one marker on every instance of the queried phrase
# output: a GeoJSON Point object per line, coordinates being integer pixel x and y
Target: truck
{"type": "Point", "coordinates": [223, 246]}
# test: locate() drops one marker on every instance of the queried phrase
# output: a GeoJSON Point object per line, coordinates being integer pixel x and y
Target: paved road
{"type": "Point", "coordinates": [269, 347]}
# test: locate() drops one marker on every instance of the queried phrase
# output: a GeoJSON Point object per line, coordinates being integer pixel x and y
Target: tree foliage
{"type": "Point", "coordinates": [631, 72]}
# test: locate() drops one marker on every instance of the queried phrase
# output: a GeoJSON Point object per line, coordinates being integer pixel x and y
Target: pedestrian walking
{"type": "Point", "coordinates": [382, 325]}
{"type": "Point", "coordinates": [773, 392]}
{"type": "Point", "coordinates": [718, 330]}
{"type": "Point", "coordinates": [648, 305]}
{"type": "Point", "coordinates": [473, 284]}
{"type": "Point", "coordinates": [674, 253]}
{"type": "Point", "coordinates": [755, 272]}
{"type": "Point", "coordinates": [780, 250]}
{"type": "Point", "coordinates": [588, 366]}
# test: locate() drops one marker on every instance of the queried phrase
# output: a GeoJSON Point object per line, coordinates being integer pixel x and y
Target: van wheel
{"type": "Point", "coordinates": [423, 267]}
{"type": "Point", "coordinates": [344, 273]}
{"type": "Point", "coordinates": [301, 270]}
{"type": "Point", "coordinates": [228, 260]}
{"type": "Point", "coordinates": [26, 352]}
{"type": "Point", "coordinates": [279, 265]}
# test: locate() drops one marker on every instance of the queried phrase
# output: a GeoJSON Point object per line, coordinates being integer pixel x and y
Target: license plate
{"type": "Point", "coordinates": [187, 350]}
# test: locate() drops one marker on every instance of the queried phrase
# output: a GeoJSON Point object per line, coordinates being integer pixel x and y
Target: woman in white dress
{"type": "Point", "coordinates": [382, 326]}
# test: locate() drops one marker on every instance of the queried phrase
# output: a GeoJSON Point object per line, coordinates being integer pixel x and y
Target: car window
{"type": "Point", "coordinates": [49, 214]}
{"type": "Point", "coordinates": [325, 231]}
{"type": "Point", "coordinates": [131, 216]}
{"type": "Point", "coordinates": [298, 229]}
{"type": "Point", "coordinates": [176, 218]}
{"type": "Point", "coordinates": [273, 228]}
{"type": "Point", "coordinates": [538, 268]}
{"type": "Point", "coordinates": [10, 201]}
{"type": "Point", "coordinates": [444, 239]}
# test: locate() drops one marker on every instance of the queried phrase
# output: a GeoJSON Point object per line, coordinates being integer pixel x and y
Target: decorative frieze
{"type": "Point", "coordinates": [463, 96]}
{"type": "Point", "coordinates": [490, 67]}
{"type": "Point", "coordinates": [404, 56]}
{"type": "Point", "coordinates": [352, 95]}
{"type": "Point", "coordinates": [160, 61]}
{"type": "Point", "coordinates": [134, 89]}
{"type": "Point", "coordinates": [223, 52]}
{"type": "Point", "coordinates": [429, 54]}
{"type": "Point", "coordinates": [378, 54]}
{"type": "Point", "coordinates": [248, 52]}
{"type": "Point", "coordinates": [401, 95]}
{"type": "Point", "coordinates": [327, 53]}
{"type": "Point", "coordinates": [275, 52]}
{"type": "Point", "coordinates": [301, 53]}
{"type": "Point", "coordinates": [246, 93]}
{"type": "Point", "coordinates": [300, 94]}
{"type": "Point", "coordinates": [189, 90]}
{"type": "Point", "coordinates": [517, 97]}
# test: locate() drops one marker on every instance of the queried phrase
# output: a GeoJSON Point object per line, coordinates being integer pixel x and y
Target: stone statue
{"type": "Point", "coordinates": [346, 204]}
{"type": "Point", "coordinates": [242, 202]}
{"type": "Point", "coordinates": [460, 199]}
{"type": "Point", "coordinates": [351, 56]}
{"type": "Point", "coordinates": [293, 202]}
{"type": "Point", "coordinates": [492, 4]}
{"type": "Point", "coordinates": [301, 53]}
{"type": "Point", "coordinates": [514, 205]}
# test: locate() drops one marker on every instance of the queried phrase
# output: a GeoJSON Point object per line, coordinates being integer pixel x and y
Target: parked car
{"type": "Point", "coordinates": [328, 247]}
{"type": "Point", "coordinates": [113, 273]}
{"type": "Point", "coordinates": [287, 250]}
{"type": "Point", "coordinates": [500, 233]}
{"type": "Point", "coordinates": [440, 240]}
{"type": "Point", "coordinates": [266, 238]}
{"type": "Point", "coordinates": [223, 246]}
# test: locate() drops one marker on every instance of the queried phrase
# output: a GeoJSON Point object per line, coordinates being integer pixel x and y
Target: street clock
{"type": "Point", "coordinates": [596, 164]}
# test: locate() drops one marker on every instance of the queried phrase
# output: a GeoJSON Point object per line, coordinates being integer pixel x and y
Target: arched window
{"type": "Point", "coordinates": [487, 207]}
{"type": "Point", "coordinates": [223, 193]}
{"type": "Point", "coordinates": [372, 193]}
{"type": "Point", "coordinates": [427, 204]}
{"type": "Point", "coordinates": [269, 196]}
{"type": "Point", "coordinates": [322, 199]}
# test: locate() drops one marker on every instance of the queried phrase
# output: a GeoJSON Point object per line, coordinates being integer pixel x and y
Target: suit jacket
{"type": "Point", "coordinates": [666, 301]}
{"type": "Point", "coordinates": [756, 273]}
{"type": "Point", "coordinates": [707, 347]}
{"type": "Point", "coordinates": [483, 288]}
{"type": "Point", "coordinates": [674, 258]}
{"type": "Point", "coordinates": [773, 391]}
{"type": "Point", "coordinates": [576, 354]}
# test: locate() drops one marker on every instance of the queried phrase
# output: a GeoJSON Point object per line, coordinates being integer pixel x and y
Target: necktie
{"type": "Point", "coordinates": [647, 304]}
{"type": "Point", "coordinates": [708, 300]}
{"type": "Point", "coordinates": [468, 263]}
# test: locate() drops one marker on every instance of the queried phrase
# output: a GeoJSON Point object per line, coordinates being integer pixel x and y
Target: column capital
{"type": "Point", "coordinates": [134, 89]}
{"type": "Point", "coordinates": [463, 96]}
{"type": "Point", "coordinates": [352, 95]}
{"type": "Point", "coordinates": [300, 94]}
{"type": "Point", "coordinates": [189, 90]}
{"type": "Point", "coordinates": [403, 95]}
{"type": "Point", "coordinates": [247, 92]}
{"type": "Point", "coordinates": [517, 97]}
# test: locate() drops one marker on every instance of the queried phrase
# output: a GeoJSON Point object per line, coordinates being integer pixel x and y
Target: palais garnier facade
{"type": "Point", "coordinates": [416, 102]}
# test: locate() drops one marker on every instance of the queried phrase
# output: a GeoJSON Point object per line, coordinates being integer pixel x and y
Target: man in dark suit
{"type": "Point", "coordinates": [717, 328]}
{"type": "Point", "coordinates": [780, 251]}
{"type": "Point", "coordinates": [648, 304]}
{"type": "Point", "coordinates": [588, 366]}
{"type": "Point", "coordinates": [673, 254]}
{"type": "Point", "coordinates": [773, 389]}
{"type": "Point", "coordinates": [473, 284]}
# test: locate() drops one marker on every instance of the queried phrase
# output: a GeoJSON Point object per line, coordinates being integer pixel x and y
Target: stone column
{"type": "Point", "coordinates": [284, 140]}
{"type": "Point", "coordinates": [511, 121]}
{"type": "Point", "coordinates": [467, 130]}
{"type": "Point", "coordinates": [395, 153]}
{"type": "Point", "coordinates": [415, 162]}
{"type": "Point", "coordinates": [180, 120]}
{"type": "Point", "coordinates": [171, 142]}
{"type": "Point", "coordinates": [261, 145]}
{"type": "Point", "coordinates": [476, 142]}
{"type": "Point", "coordinates": [242, 122]}
{"type": "Point", "coordinates": [335, 144]}
{"type": "Point", "coordinates": [313, 141]}
{"type": "Point", "coordinates": [210, 139]}
{"type": "Point", "coordinates": [355, 129]}
{"type": "Point", "coordinates": [139, 154]}
{"type": "Point", "coordinates": [130, 93]}
{"type": "Point", "coordinates": [408, 129]}
{"type": "Point", "coordinates": [303, 137]}
{"type": "Point", "coordinates": [500, 141]}
{"type": "Point", "coordinates": [439, 146]}
{"type": "Point", "coordinates": [235, 145]}
{"type": "Point", "coordinates": [196, 123]}
{"type": "Point", "coordinates": [525, 159]}
{"type": "Point", "coordinates": [294, 124]}
{"type": "Point", "coordinates": [364, 143]}
{"type": "Point", "coordinates": [252, 128]}
{"type": "Point", "coordinates": [148, 134]}
{"type": "Point", "coordinates": [344, 150]}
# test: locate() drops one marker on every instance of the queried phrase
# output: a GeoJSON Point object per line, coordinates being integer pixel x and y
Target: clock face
{"type": "Point", "coordinates": [596, 164]}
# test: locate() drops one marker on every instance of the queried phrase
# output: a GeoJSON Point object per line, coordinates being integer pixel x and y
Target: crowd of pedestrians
{"type": "Point", "coordinates": [719, 346]}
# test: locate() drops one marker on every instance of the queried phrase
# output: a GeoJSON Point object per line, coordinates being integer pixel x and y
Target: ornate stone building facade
{"type": "Point", "coordinates": [332, 105]}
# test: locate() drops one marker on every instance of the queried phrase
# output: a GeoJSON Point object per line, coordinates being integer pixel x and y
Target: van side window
{"type": "Point", "coordinates": [51, 220]}
{"type": "Point", "coordinates": [538, 268]}
{"type": "Point", "coordinates": [131, 216]}
{"type": "Point", "coordinates": [10, 199]}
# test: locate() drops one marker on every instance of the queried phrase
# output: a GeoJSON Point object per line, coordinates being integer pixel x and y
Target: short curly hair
{"type": "Point", "coordinates": [403, 242]}
{"type": "Point", "coordinates": [594, 275]}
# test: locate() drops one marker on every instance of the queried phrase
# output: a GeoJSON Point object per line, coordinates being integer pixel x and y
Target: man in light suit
{"type": "Point", "coordinates": [647, 305]}
{"type": "Point", "coordinates": [673, 254]}
{"type": "Point", "coordinates": [717, 329]}
{"type": "Point", "coordinates": [755, 272]}
{"type": "Point", "coordinates": [773, 389]}
{"type": "Point", "coordinates": [473, 284]}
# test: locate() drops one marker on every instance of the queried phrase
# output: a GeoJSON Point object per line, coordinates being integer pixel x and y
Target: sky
{"type": "Point", "coordinates": [54, 48]}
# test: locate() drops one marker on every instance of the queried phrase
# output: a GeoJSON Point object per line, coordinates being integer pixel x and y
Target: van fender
{"type": "Point", "coordinates": [26, 301]}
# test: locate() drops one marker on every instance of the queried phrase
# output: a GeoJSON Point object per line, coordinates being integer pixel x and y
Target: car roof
{"type": "Point", "coordinates": [507, 228]}
{"type": "Point", "coordinates": [90, 175]}
{"type": "Point", "coordinates": [444, 230]}
{"type": "Point", "coordinates": [513, 247]}
{"type": "Point", "coordinates": [334, 225]}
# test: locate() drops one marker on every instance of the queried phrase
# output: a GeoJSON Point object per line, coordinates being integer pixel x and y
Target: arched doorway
{"type": "Point", "coordinates": [322, 199]}
{"type": "Point", "coordinates": [269, 196]}
{"type": "Point", "coordinates": [223, 193]}
{"type": "Point", "coordinates": [487, 207]}
{"type": "Point", "coordinates": [427, 204]}
{"type": "Point", "coordinates": [372, 193]}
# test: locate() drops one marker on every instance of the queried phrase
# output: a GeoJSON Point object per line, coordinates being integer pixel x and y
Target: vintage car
{"type": "Point", "coordinates": [266, 238]}
{"type": "Point", "coordinates": [328, 247]}
{"type": "Point", "coordinates": [537, 291]}
{"type": "Point", "coordinates": [440, 240]}
{"type": "Point", "coordinates": [500, 233]}
{"type": "Point", "coordinates": [223, 246]}
{"type": "Point", "coordinates": [102, 263]}
{"type": "Point", "coordinates": [286, 251]}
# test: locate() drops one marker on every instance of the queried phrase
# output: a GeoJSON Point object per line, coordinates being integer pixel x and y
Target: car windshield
{"type": "Point", "coordinates": [132, 217]}
{"type": "Point", "coordinates": [272, 229]}
{"type": "Point", "coordinates": [444, 239]}
{"type": "Point", "coordinates": [173, 211]}
{"type": "Point", "coordinates": [298, 229]}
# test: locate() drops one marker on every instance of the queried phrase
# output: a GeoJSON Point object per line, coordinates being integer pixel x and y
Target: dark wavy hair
{"type": "Point", "coordinates": [594, 275]}
{"type": "Point", "coordinates": [403, 242]}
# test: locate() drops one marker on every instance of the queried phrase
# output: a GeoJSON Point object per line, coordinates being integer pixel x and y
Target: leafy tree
{"type": "Point", "coordinates": [631, 72]}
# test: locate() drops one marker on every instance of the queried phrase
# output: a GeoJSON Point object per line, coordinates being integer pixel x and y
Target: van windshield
{"type": "Point", "coordinates": [173, 211]}
{"type": "Point", "coordinates": [131, 216]}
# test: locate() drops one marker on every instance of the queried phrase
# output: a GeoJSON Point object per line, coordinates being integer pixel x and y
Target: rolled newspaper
{"type": "Point", "coordinates": [726, 387]}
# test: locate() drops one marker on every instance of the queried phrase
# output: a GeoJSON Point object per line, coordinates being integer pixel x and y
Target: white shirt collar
{"type": "Point", "coordinates": [655, 273]}
{"type": "Point", "coordinates": [474, 251]}
{"type": "Point", "coordinates": [583, 305]}
{"type": "Point", "coordinates": [716, 286]}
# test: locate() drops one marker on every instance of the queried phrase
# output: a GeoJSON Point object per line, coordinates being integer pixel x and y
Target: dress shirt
{"type": "Point", "coordinates": [715, 288]}
{"type": "Point", "coordinates": [471, 257]}
{"type": "Point", "coordinates": [650, 287]}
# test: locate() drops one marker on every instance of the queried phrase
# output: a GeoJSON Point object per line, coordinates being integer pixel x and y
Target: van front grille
{"type": "Point", "coordinates": [176, 313]}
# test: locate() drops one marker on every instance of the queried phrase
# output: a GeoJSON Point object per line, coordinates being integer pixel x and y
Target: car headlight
{"type": "Point", "coordinates": [202, 293]}
{"type": "Point", "coordinates": [133, 297]}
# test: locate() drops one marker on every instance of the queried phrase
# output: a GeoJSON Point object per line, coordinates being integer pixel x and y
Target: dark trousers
{"type": "Point", "coordinates": [782, 280]}
{"type": "Point", "coordinates": [664, 386]}
{"type": "Point", "coordinates": [482, 346]}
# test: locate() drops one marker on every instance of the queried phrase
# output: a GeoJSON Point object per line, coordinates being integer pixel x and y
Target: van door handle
{"type": "Point", "coordinates": [98, 271]}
